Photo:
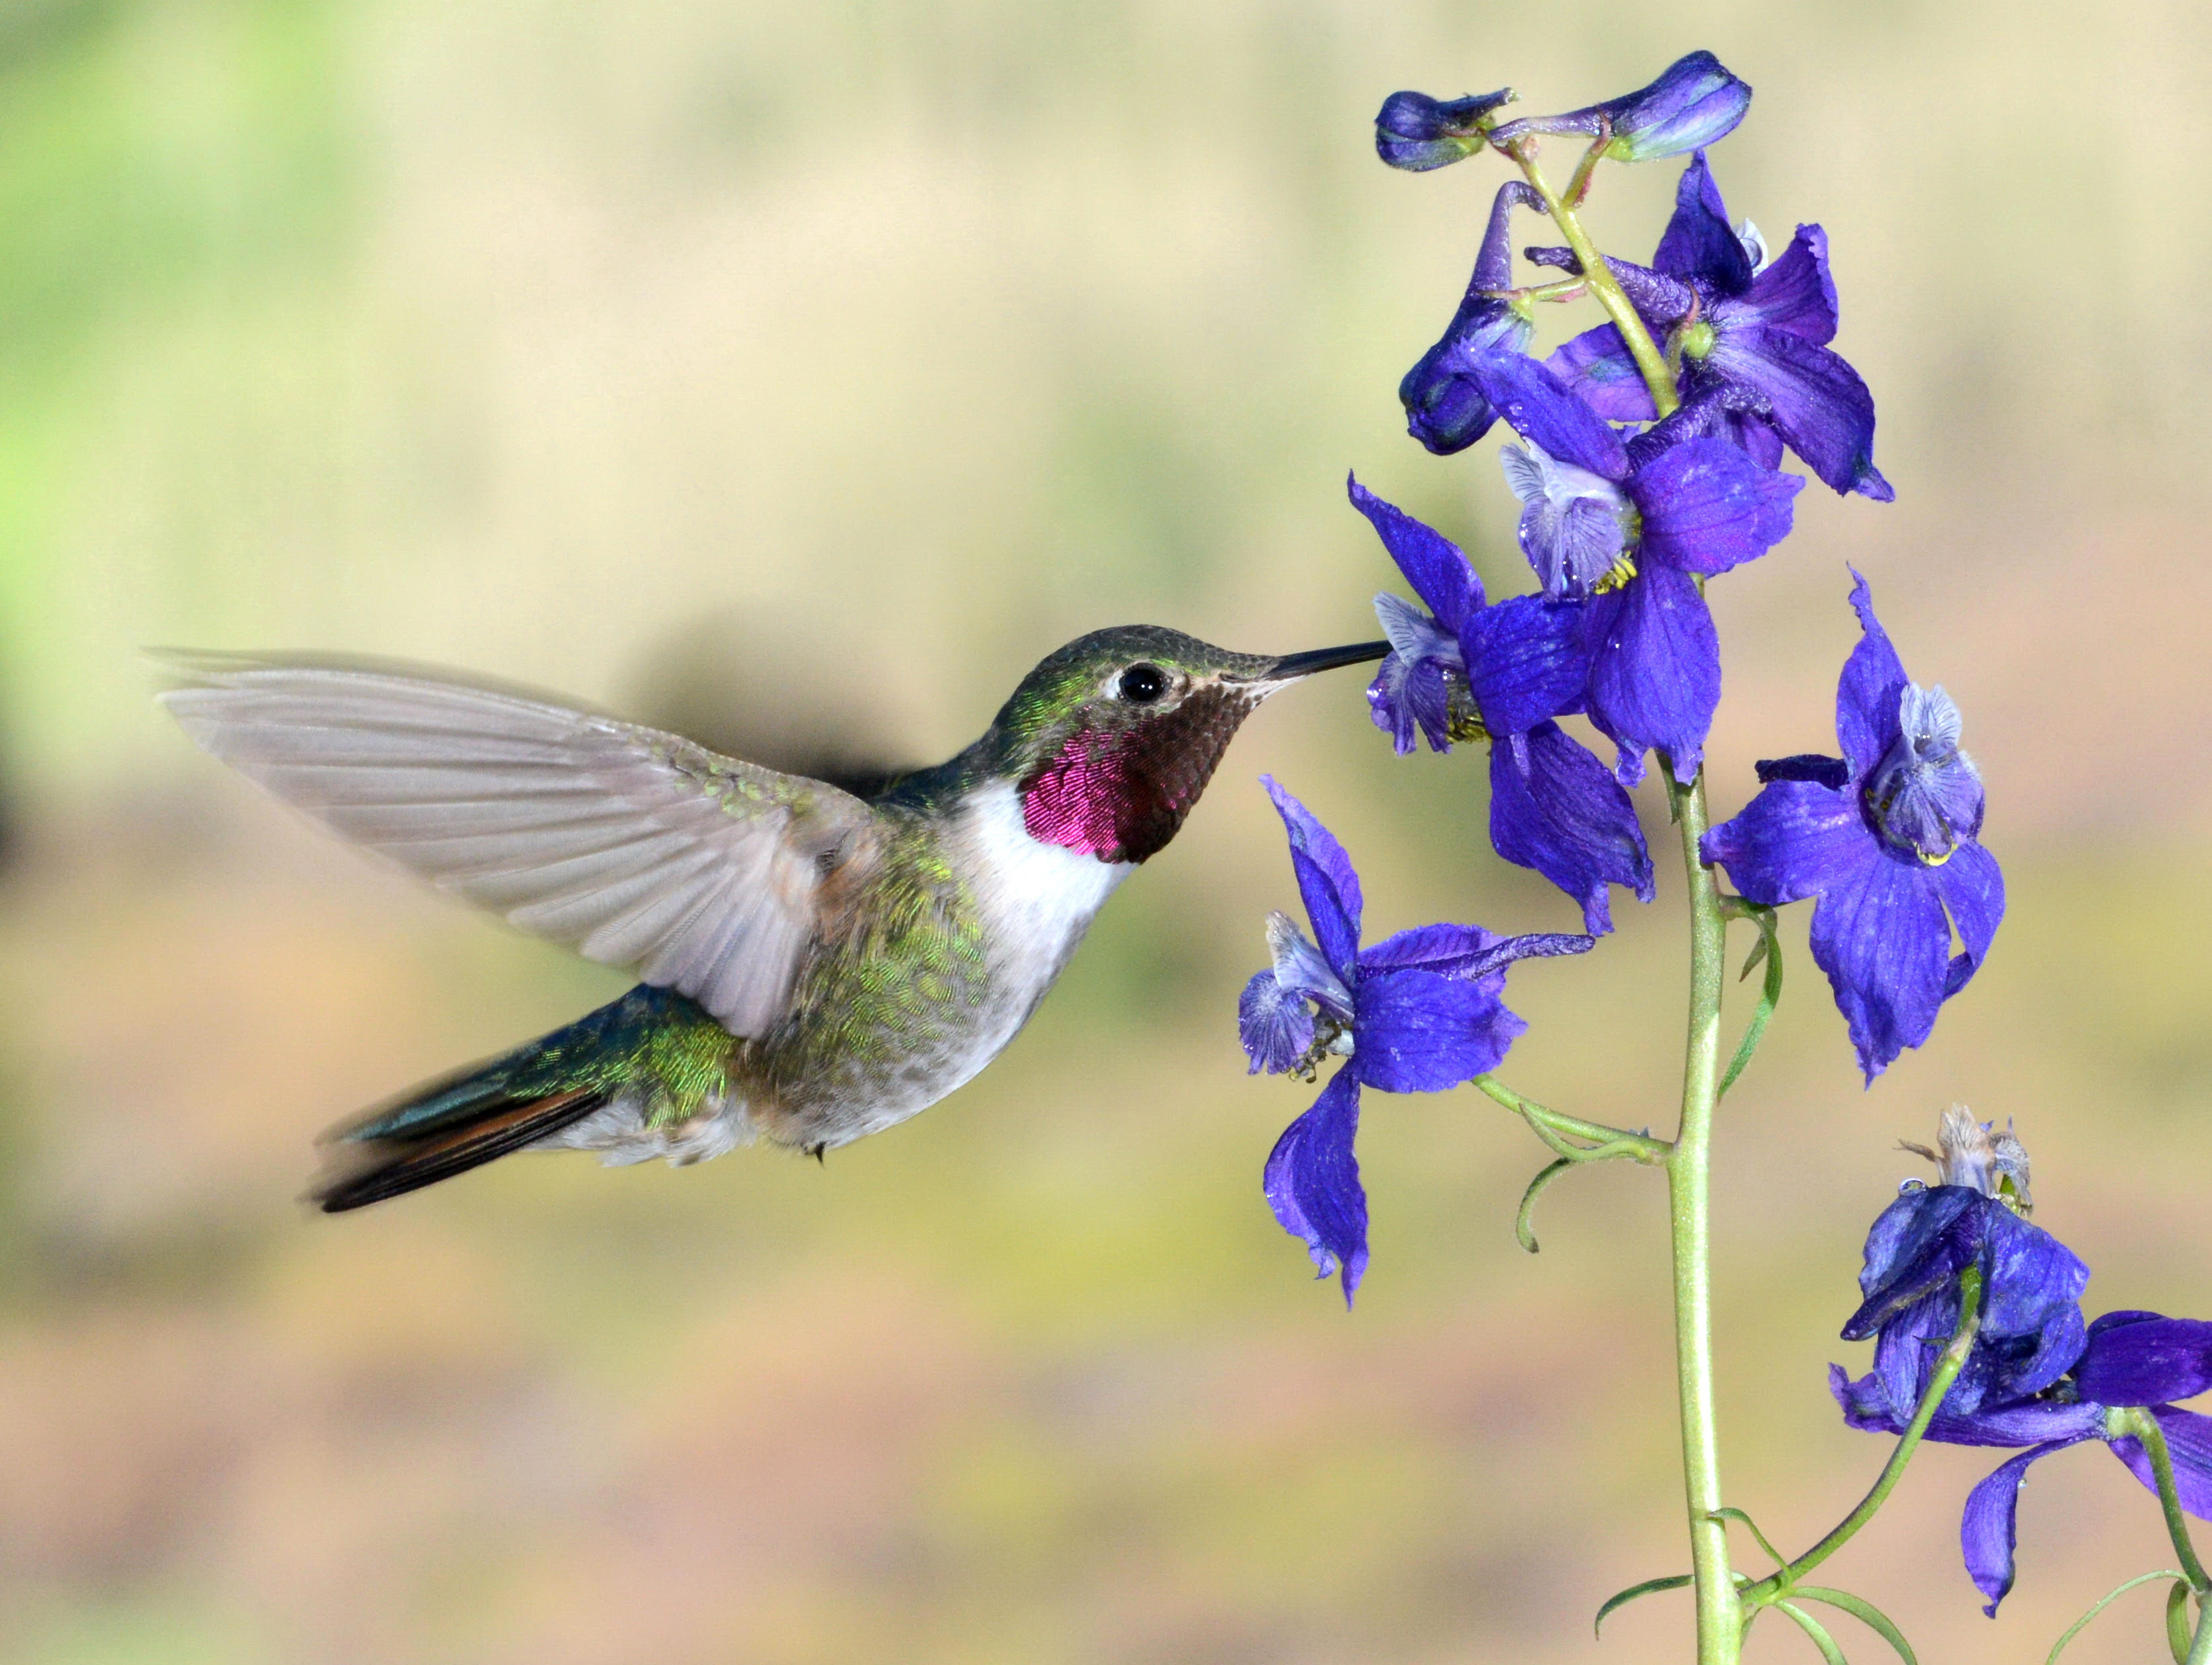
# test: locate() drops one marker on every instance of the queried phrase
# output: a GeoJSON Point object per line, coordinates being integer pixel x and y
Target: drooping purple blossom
{"type": "Point", "coordinates": [1420, 1011]}
{"type": "Point", "coordinates": [1885, 841]}
{"type": "Point", "coordinates": [1446, 409]}
{"type": "Point", "coordinates": [2037, 1378]}
{"type": "Point", "coordinates": [2031, 1329]}
{"type": "Point", "coordinates": [1467, 670]}
{"type": "Point", "coordinates": [1630, 526]}
{"type": "Point", "coordinates": [1695, 102]}
{"type": "Point", "coordinates": [1752, 340]}
{"type": "Point", "coordinates": [1417, 133]}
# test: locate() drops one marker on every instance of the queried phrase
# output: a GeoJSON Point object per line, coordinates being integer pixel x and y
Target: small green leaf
{"type": "Point", "coordinates": [1745, 1521]}
{"type": "Point", "coordinates": [2181, 1589]}
{"type": "Point", "coordinates": [2177, 1621]}
{"type": "Point", "coordinates": [1769, 948]}
{"type": "Point", "coordinates": [1649, 1587]}
{"type": "Point", "coordinates": [1865, 1612]}
{"type": "Point", "coordinates": [1814, 1628]}
{"type": "Point", "coordinates": [1525, 1223]}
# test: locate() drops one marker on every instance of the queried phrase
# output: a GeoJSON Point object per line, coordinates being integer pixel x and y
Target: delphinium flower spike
{"type": "Point", "coordinates": [1471, 670]}
{"type": "Point", "coordinates": [1420, 1011]}
{"type": "Point", "coordinates": [1885, 839]}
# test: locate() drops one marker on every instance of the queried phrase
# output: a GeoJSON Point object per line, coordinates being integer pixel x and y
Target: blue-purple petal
{"type": "Point", "coordinates": [1879, 934]}
{"type": "Point", "coordinates": [1540, 407]}
{"type": "Point", "coordinates": [1708, 508]}
{"type": "Point", "coordinates": [1793, 841]}
{"type": "Point", "coordinates": [1466, 952]}
{"type": "Point", "coordinates": [1868, 693]}
{"type": "Point", "coordinates": [1595, 366]}
{"type": "Point", "coordinates": [1988, 1530]}
{"type": "Point", "coordinates": [1436, 567]}
{"type": "Point", "coordinates": [1275, 1025]}
{"type": "Point", "coordinates": [2030, 1276]}
{"type": "Point", "coordinates": [1656, 677]}
{"type": "Point", "coordinates": [1817, 401]}
{"type": "Point", "coordinates": [1832, 773]}
{"type": "Point", "coordinates": [1795, 291]}
{"type": "Point", "coordinates": [1412, 691]}
{"type": "Point", "coordinates": [1312, 1182]}
{"type": "Point", "coordinates": [1973, 889]}
{"type": "Point", "coordinates": [1700, 244]}
{"type": "Point", "coordinates": [1420, 1032]}
{"type": "Point", "coordinates": [1446, 409]}
{"type": "Point", "coordinates": [1326, 879]}
{"type": "Point", "coordinates": [1527, 660]}
{"type": "Point", "coordinates": [1917, 1245]}
{"type": "Point", "coordinates": [2145, 1360]}
{"type": "Point", "coordinates": [1556, 809]}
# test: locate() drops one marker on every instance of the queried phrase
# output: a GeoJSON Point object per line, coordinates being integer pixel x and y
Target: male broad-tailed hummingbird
{"type": "Point", "coordinates": [814, 965]}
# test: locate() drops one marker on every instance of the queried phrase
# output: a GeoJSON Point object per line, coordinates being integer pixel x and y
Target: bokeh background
{"type": "Point", "coordinates": [798, 373]}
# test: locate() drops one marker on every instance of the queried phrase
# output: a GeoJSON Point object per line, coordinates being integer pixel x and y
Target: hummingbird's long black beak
{"type": "Point", "coordinates": [1292, 666]}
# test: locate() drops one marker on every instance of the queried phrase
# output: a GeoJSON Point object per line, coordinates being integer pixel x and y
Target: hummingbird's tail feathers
{"type": "Point", "coordinates": [371, 1169]}
{"type": "Point", "coordinates": [634, 847]}
{"type": "Point", "coordinates": [662, 1055]}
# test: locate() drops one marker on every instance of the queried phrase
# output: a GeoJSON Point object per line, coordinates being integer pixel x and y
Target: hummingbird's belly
{"type": "Point", "coordinates": [944, 978]}
{"type": "Point", "coordinates": [1024, 907]}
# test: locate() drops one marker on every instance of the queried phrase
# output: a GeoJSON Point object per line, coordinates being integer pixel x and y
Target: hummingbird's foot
{"type": "Point", "coordinates": [815, 1150]}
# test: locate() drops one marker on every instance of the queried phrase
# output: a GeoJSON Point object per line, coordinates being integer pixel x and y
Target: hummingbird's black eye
{"type": "Point", "coordinates": [1143, 683]}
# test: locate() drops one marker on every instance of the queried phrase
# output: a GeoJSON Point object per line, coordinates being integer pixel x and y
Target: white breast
{"type": "Point", "coordinates": [1037, 899]}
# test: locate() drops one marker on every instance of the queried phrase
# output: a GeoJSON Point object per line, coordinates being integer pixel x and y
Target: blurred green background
{"type": "Point", "coordinates": [803, 372]}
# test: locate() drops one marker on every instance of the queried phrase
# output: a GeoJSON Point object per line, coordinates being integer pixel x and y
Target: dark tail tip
{"type": "Point", "coordinates": [362, 1169]}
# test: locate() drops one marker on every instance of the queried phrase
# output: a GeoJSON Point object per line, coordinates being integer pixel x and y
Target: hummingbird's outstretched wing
{"type": "Point", "coordinates": [635, 847]}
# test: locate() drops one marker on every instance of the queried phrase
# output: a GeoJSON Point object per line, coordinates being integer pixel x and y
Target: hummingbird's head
{"type": "Point", "coordinates": [1111, 739]}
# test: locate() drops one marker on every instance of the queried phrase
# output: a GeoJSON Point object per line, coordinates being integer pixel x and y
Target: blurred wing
{"type": "Point", "coordinates": [635, 847]}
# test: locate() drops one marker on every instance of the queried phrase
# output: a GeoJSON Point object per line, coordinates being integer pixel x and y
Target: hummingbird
{"type": "Point", "coordinates": [814, 966]}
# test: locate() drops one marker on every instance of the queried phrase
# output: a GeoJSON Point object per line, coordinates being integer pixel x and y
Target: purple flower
{"type": "Point", "coordinates": [1416, 132]}
{"type": "Point", "coordinates": [2130, 1361]}
{"type": "Point", "coordinates": [2031, 1329]}
{"type": "Point", "coordinates": [1694, 102]}
{"type": "Point", "coordinates": [1418, 1012]}
{"type": "Point", "coordinates": [1446, 409]}
{"type": "Point", "coordinates": [1885, 839]}
{"type": "Point", "coordinates": [1753, 341]}
{"type": "Point", "coordinates": [1632, 525]}
{"type": "Point", "coordinates": [2036, 1377]}
{"type": "Point", "coordinates": [1468, 671]}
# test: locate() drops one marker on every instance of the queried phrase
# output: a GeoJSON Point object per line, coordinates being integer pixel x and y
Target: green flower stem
{"type": "Point", "coordinates": [1953, 1360]}
{"type": "Point", "coordinates": [2143, 1426]}
{"type": "Point", "coordinates": [1604, 287]}
{"type": "Point", "coordinates": [1642, 1146]}
{"type": "Point", "coordinates": [1689, 1159]}
{"type": "Point", "coordinates": [2200, 1646]}
{"type": "Point", "coordinates": [1720, 1609]}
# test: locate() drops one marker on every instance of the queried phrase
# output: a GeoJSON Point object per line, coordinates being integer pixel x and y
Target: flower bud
{"type": "Point", "coordinates": [1695, 102]}
{"type": "Point", "coordinates": [1416, 132]}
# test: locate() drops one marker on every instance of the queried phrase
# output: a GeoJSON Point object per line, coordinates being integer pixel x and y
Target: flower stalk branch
{"type": "Point", "coordinates": [2141, 1425]}
{"type": "Point", "coordinates": [1604, 287]}
{"type": "Point", "coordinates": [1555, 1129]}
{"type": "Point", "coordinates": [1947, 1366]}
